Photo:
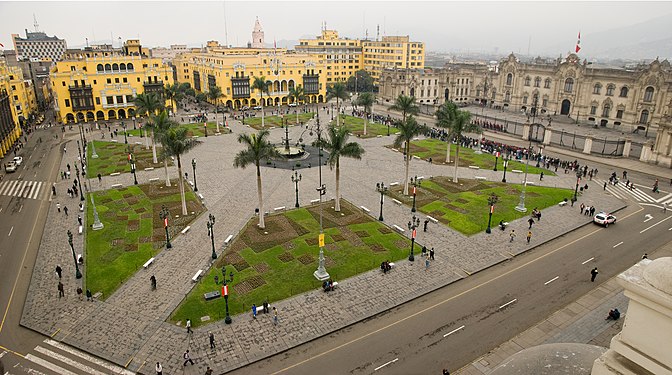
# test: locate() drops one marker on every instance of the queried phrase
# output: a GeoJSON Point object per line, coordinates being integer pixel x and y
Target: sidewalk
{"type": "Point", "coordinates": [129, 328]}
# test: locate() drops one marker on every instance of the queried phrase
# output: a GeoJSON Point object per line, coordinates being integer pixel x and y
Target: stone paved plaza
{"type": "Point", "coordinates": [130, 327]}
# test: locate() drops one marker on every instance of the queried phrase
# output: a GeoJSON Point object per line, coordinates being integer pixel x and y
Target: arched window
{"type": "Point", "coordinates": [115, 67]}
{"type": "Point", "coordinates": [129, 66]}
{"type": "Point", "coordinates": [597, 88]}
{"type": "Point", "coordinates": [525, 99]}
{"type": "Point", "coordinates": [527, 81]}
{"type": "Point", "coordinates": [547, 83]}
{"type": "Point", "coordinates": [509, 79]}
{"type": "Point", "coordinates": [644, 117]}
{"type": "Point", "coordinates": [610, 90]}
{"type": "Point", "coordinates": [507, 96]}
{"type": "Point", "coordinates": [122, 66]}
{"type": "Point", "coordinates": [569, 85]}
{"type": "Point", "coordinates": [108, 67]}
{"type": "Point", "coordinates": [537, 81]}
{"type": "Point", "coordinates": [648, 94]}
{"type": "Point", "coordinates": [624, 92]}
{"type": "Point", "coordinates": [99, 67]}
{"type": "Point", "coordinates": [606, 110]}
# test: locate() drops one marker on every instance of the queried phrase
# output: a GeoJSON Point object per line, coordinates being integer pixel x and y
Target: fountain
{"type": "Point", "coordinates": [287, 151]}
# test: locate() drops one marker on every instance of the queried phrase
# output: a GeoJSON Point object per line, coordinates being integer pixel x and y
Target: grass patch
{"type": "Point", "coordinates": [133, 231]}
{"type": "Point", "coordinates": [113, 157]}
{"type": "Point", "coordinates": [464, 207]}
{"type": "Point", "coordinates": [436, 149]}
{"type": "Point", "coordinates": [278, 262]}
{"type": "Point", "coordinates": [277, 121]}
{"type": "Point", "coordinates": [194, 129]}
{"type": "Point", "coordinates": [356, 127]}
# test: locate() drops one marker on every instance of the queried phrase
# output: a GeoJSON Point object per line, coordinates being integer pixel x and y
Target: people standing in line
{"type": "Point", "coordinates": [187, 358]}
{"type": "Point", "coordinates": [189, 326]}
{"type": "Point", "coordinates": [529, 236]}
{"type": "Point", "coordinates": [59, 270]}
{"type": "Point", "coordinates": [593, 274]}
{"type": "Point", "coordinates": [61, 290]}
{"type": "Point", "coordinates": [158, 368]}
{"type": "Point", "coordinates": [512, 235]}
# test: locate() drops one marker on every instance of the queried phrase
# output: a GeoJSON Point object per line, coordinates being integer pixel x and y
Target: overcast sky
{"type": "Point", "coordinates": [443, 25]}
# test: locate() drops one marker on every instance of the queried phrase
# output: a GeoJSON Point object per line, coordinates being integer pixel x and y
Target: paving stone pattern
{"type": "Point", "coordinates": [130, 327]}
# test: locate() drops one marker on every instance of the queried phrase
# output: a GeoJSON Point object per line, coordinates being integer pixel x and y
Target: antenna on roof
{"type": "Point", "coordinates": [377, 32]}
{"type": "Point", "coordinates": [226, 32]}
{"type": "Point", "coordinates": [37, 26]}
{"type": "Point", "coordinates": [366, 34]}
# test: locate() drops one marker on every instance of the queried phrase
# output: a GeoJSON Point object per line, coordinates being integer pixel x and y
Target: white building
{"type": "Point", "coordinates": [38, 45]}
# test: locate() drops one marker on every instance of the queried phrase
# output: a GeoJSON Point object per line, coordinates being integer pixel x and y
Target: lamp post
{"type": "Point", "coordinates": [521, 205]}
{"type": "Point", "coordinates": [134, 123]}
{"type": "Point", "coordinates": [78, 274]}
{"type": "Point", "coordinates": [412, 225]}
{"type": "Point", "coordinates": [415, 182]}
{"type": "Point", "coordinates": [125, 137]}
{"type": "Point", "coordinates": [382, 189]}
{"type": "Point", "coordinates": [295, 179]}
{"type": "Point", "coordinates": [211, 232]}
{"type": "Point", "coordinates": [505, 163]}
{"type": "Point", "coordinates": [496, 158]}
{"type": "Point", "coordinates": [492, 199]}
{"type": "Point", "coordinates": [131, 162]}
{"type": "Point", "coordinates": [321, 272]}
{"type": "Point", "coordinates": [225, 292]}
{"type": "Point", "coordinates": [578, 180]}
{"type": "Point", "coordinates": [205, 128]}
{"type": "Point", "coordinates": [164, 214]}
{"type": "Point", "coordinates": [193, 167]}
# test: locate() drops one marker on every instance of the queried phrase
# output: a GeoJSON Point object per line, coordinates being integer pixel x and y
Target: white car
{"type": "Point", "coordinates": [10, 167]}
{"type": "Point", "coordinates": [604, 219]}
{"type": "Point", "coordinates": [18, 160]}
{"type": "Point", "coordinates": [257, 108]}
{"type": "Point", "coordinates": [293, 104]}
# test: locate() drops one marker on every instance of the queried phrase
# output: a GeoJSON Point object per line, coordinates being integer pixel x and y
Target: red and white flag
{"type": "Point", "coordinates": [578, 43]}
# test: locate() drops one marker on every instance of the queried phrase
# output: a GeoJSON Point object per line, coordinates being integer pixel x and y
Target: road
{"type": "Point", "coordinates": [451, 327]}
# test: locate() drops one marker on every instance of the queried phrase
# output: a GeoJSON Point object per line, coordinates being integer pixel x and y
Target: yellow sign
{"type": "Point", "coordinates": [320, 239]}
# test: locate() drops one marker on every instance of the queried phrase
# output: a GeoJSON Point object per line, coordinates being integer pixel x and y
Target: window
{"type": "Point", "coordinates": [597, 88]}
{"type": "Point", "coordinates": [648, 94]}
{"type": "Point", "coordinates": [125, 80]}
{"type": "Point", "coordinates": [610, 90]}
{"type": "Point", "coordinates": [527, 81]}
{"type": "Point", "coordinates": [624, 92]}
{"type": "Point", "coordinates": [547, 83]}
{"type": "Point", "coordinates": [109, 80]}
{"type": "Point", "coordinates": [116, 80]}
{"type": "Point", "coordinates": [98, 101]}
{"type": "Point", "coordinates": [67, 102]}
{"type": "Point", "coordinates": [138, 79]}
{"type": "Point", "coordinates": [110, 100]}
{"type": "Point", "coordinates": [619, 113]}
{"type": "Point", "coordinates": [593, 110]}
{"type": "Point", "coordinates": [537, 81]}
{"type": "Point", "coordinates": [544, 102]}
{"type": "Point", "coordinates": [569, 85]}
{"type": "Point", "coordinates": [509, 79]}
{"type": "Point", "coordinates": [120, 99]}
{"type": "Point", "coordinates": [63, 83]}
{"type": "Point", "coordinates": [644, 117]}
{"type": "Point", "coordinates": [524, 99]}
{"type": "Point", "coordinates": [507, 97]}
{"type": "Point", "coordinates": [606, 110]}
{"type": "Point", "coordinates": [95, 82]}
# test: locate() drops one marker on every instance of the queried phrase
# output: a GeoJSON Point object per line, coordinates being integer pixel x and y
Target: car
{"type": "Point", "coordinates": [293, 104]}
{"type": "Point", "coordinates": [18, 160]}
{"type": "Point", "coordinates": [245, 108]}
{"type": "Point", "coordinates": [605, 219]}
{"type": "Point", "coordinates": [256, 108]}
{"type": "Point", "coordinates": [10, 167]}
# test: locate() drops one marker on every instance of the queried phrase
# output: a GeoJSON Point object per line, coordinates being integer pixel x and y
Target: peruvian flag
{"type": "Point", "coordinates": [578, 43]}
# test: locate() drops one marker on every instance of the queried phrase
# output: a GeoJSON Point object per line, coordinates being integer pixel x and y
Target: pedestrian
{"type": "Point", "coordinates": [541, 176]}
{"type": "Point", "coordinates": [68, 167]}
{"type": "Point", "coordinates": [424, 250]}
{"type": "Point", "coordinates": [529, 236]}
{"type": "Point", "coordinates": [65, 209]}
{"type": "Point", "coordinates": [79, 219]}
{"type": "Point", "coordinates": [593, 274]}
{"type": "Point", "coordinates": [212, 340]}
{"type": "Point", "coordinates": [425, 227]}
{"type": "Point", "coordinates": [605, 186]}
{"type": "Point", "coordinates": [512, 235]}
{"type": "Point", "coordinates": [208, 371]}
{"type": "Point", "coordinates": [61, 290]}
{"type": "Point", "coordinates": [187, 358]}
{"type": "Point", "coordinates": [265, 307]}
{"type": "Point", "coordinates": [582, 207]}
{"type": "Point", "coordinates": [79, 293]}
{"type": "Point", "coordinates": [59, 270]}
{"type": "Point", "coordinates": [530, 221]}
{"type": "Point", "coordinates": [153, 282]}
{"type": "Point", "coordinates": [58, 207]}
{"type": "Point", "coordinates": [158, 368]}
{"type": "Point", "coordinates": [53, 189]}
{"type": "Point", "coordinates": [275, 315]}
{"type": "Point", "coordinates": [89, 297]}
{"type": "Point", "coordinates": [645, 256]}
{"type": "Point", "coordinates": [100, 178]}
{"type": "Point", "coordinates": [664, 207]}
{"type": "Point", "coordinates": [254, 311]}
{"type": "Point", "coordinates": [431, 254]}
{"type": "Point", "coordinates": [189, 326]}
{"type": "Point", "coordinates": [426, 262]}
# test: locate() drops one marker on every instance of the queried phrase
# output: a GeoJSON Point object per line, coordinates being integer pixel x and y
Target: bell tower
{"type": "Point", "coordinates": [257, 35]}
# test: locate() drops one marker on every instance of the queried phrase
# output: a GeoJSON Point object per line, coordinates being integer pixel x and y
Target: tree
{"type": "Point", "coordinates": [162, 123]}
{"type": "Point", "coordinates": [408, 130]}
{"type": "Point", "coordinates": [258, 148]}
{"type": "Point", "coordinates": [361, 81]}
{"type": "Point", "coordinates": [297, 95]}
{"type": "Point", "coordinates": [214, 94]}
{"type": "Point", "coordinates": [173, 93]}
{"type": "Point", "coordinates": [262, 85]}
{"type": "Point", "coordinates": [445, 115]}
{"type": "Point", "coordinates": [176, 143]}
{"type": "Point", "coordinates": [337, 90]}
{"type": "Point", "coordinates": [460, 125]}
{"type": "Point", "coordinates": [201, 97]}
{"type": "Point", "coordinates": [366, 100]}
{"type": "Point", "coordinates": [148, 104]}
{"type": "Point", "coordinates": [337, 145]}
{"type": "Point", "coordinates": [405, 104]}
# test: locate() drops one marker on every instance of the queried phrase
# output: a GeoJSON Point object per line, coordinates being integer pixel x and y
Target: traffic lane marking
{"type": "Point", "coordinates": [49, 365]}
{"type": "Point", "coordinates": [508, 303]}
{"type": "Point", "coordinates": [68, 361]}
{"type": "Point", "coordinates": [618, 244]}
{"type": "Point", "coordinates": [10, 231]}
{"type": "Point", "coordinates": [385, 364]}
{"type": "Point", "coordinates": [453, 331]}
{"type": "Point", "coordinates": [551, 280]}
{"type": "Point", "coordinates": [653, 225]}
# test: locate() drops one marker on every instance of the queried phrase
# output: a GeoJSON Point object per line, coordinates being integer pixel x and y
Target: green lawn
{"type": "Point", "coordinates": [277, 121]}
{"type": "Point", "coordinates": [436, 149]}
{"type": "Point", "coordinates": [133, 231]}
{"type": "Point", "coordinates": [193, 130]}
{"type": "Point", "coordinates": [465, 207]}
{"type": "Point", "coordinates": [280, 264]}
{"type": "Point", "coordinates": [356, 127]}
{"type": "Point", "coordinates": [113, 157]}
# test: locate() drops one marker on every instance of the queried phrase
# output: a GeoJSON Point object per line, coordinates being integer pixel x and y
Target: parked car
{"type": "Point", "coordinates": [10, 167]}
{"type": "Point", "coordinates": [245, 108]}
{"type": "Point", "coordinates": [18, 160]}
{"type": "Point", "coordinates": [292, 104]}
{"type": "Point", "coordinates": [257, 108]}
{"type": "Point", "coordinates": [604, 219]}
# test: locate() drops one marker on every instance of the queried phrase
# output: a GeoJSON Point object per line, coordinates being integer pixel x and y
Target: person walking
{"type": "Point", "coordinates": [664, 207]}
{"type": "Point", "coordinates": [61, 290]}
{"type": "Point", "coordinates": [212, 340]}
{"type": "Point", "coordinates": [79, 219]}
{"type": "Point", "coordinates": [208, 371]}
{"type": "Point", "coordinates": [530, 221]}
{"type": "Point", "coordinates": [189, 327]}
{"type": "Point", "coordinates": [254, 311]}
{"type": "Point", "coordinates": [187, 358]}
{"type": "Point", "coordinates": [158, 368]}
{"type": "Point", "coordinates": [426, 262]}
{"type": "Point", "coordinates": [152, 280]}
{"type": "Point", "coordinates": [593, 274]}
{"type": "Point", "coordinates": [59, 270]}
{"type": "Point", "coordinates": [541, 176]}
{"type": "Point", "coordinates": [512, 235]}
{"type": "Point", "coordinates": [65, 209]}
{"type": "Point", "coordinates": [431, 254]}
{"type": "Point", "coordinates": [424, 229]}
{"type": "Point", "coordinates": [275, 315]}
{"type": "Point", "coordinates": [89, 297]}
{"type": "Point", "coordinates": [58, 207]}
{"type": "Point", "coordinates": [582, 207]}
{"type": "Point", "coordinates": [529, 236]}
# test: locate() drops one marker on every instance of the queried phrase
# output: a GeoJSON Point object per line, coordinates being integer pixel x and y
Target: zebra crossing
{"type": "Point", "coordinates": [24, 189]}
{"type": "Point", "coordinates": [638, 193]}
{"type": "Point", "coordinates": [54, 357]}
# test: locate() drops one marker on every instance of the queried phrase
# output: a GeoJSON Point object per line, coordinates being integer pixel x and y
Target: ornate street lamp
{"type": "Point", "coordinates": [505, 163]}
{"type": "Point", "coordinates": [131, 161]}
{"type": "Point", "coordinates": [78, 274]}
{"type": "Point", "coordinates": [295, 179]}
{"type": "Point", "coordinates": [125, 137]}
{"type": "Point", "coordinates": [225, 292]}
{"type": "Point", "coordinates": [492, 199]}
{"type": "Point", "coordinates": [415, 182]}
{"type": "Point", "coordinates": [382, 189]}
{"type": "Point", "coordinates": [521, 205]}
{"type": "Point", "coordinates": [496, 158]}
{"type": "Point", "coordinates": [412, 225]}
{"type": "Point", "coordinates": [211, 232]}
{"type": "Point", "coordinates": [134, 123]}
{"type": "Point", "coordinates": [81, 193]}
{"type": "Point", "coordinates": [193, 167]}
{"type": "Point", "coordinates": [164, 214]}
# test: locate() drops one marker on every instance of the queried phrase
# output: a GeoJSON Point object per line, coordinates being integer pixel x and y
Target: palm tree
{"type": "Point", "coordinates": [337, 145]}
{"type": "Point", "coordinates": [405, 104]}
{"type": "Point", "coordinates": [173, 93]}
{"type": "Point", "coordinates": [297, 95]}
{"type": "Point", "coordinates": [258, 148]}
{"type": "Point", "coordinates": [366, 100]}
{"type": "Point", "coordinates": [337, 90]}
{"type": "Point", "coordinates": [460, 125]}
{"type": "Point", "coordinates": [176, 143]}
{"type": "Point", "coordinates": [408, 130]}
{"type": "Point", "coordinates": [261, 85]}
{"type": "Point", "coordinates": [162, 123]}
{"type": "Point", "coordinates": [214, 94]}
{"type": "Point", "coordinates": [445, 115]}
{"type": "Point", "coordinates": [148, 104]}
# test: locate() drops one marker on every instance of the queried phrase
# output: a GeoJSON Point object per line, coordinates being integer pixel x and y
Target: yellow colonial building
{"type": "Point", "coordinates": [103, 87]}
{"type": "Point", "coordinates": [392, 52]}
{"type": "Point", "coordinates": [17, 103]}
{"type": "Point", "coordinates": [234, 70]}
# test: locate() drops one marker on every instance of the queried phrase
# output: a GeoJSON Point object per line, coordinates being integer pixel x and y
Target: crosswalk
{"type": "Point", "coordinates": [53, 357]}
{"type": "Point", "coordinates": [638, 193]}
{"type": "Point", "coordinates": [24, 189]}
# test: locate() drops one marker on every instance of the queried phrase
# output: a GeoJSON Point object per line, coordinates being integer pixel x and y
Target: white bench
{"type": "Point", "coordinates": [115, 141]}
{"type": "Point", "coordinates": [116, 186]}
{"type": "Point", "coordinates": [81, 208]}
{"type": "Point", "coordinates": [433, 220]}
{"type": "Point", "coordinates": [281, 208]}
{"type": "Point", "coordinates": [398, 228]}
{"type": "Point", "coordinates": [365, 209]}
{"type": "Point", "coordinates": [516, 171]}
{"type": "Point", "coordinates": [394, 184]}
{"type": "Point", "coordinates": [314, 200]}
{"type": "Point", "coordinates": [191, 183]}
{"type": "Point", "coordinates": [420, 178]}
{"type": "Point", "coordinates": [396, 201]}
{"type": "Point", "coordinates": [80, 229]}
{"type": "Point", "coordinates": [201, 196]}
{"type": "Point", "coordinates": [474, 167]}
{"type": "Point", "coordinates": [149, 168]}
{"type": "Point", "coordinates": [115, 174]}
{"type": "Point", "coordinates": [480, 178]}
{"type": "Point", "coordinates": [186, 229]}
{"type": "Point", "coordinates": [80, 259]}
{"type": "Point", "coordinates": [528, 182]}
{"type": "Point", "coordinates": [416, 157]}
{"type": "Point", "coordinates": [148, 263]}
{"type": "Point", "coordinates": [228, 239]}
{"type": "Point", "coordinates": [197, 276]}
{"type": "Point", "coordinates": [137, 143]}
{"type": "Point", "coordinates": [153, 179]}
{"type": "Point", "coordinates": [562, 204]}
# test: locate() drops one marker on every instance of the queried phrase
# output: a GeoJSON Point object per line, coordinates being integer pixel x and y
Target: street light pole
{"type": "Point", "coordinates": [164, 214]}
{"type": "Point", "coordinates": [321, 272]}
{"type": "Point", "coordinates": [131, 161]}
{"type": "Point", "coordinates": [492, 199]}
{"type": "Point", "coordinates": [295, 179]}
{"type": "Point", "coordinates": [78, 275]}
{"type": "Point", "coordinates": [496, 158]}
{"type": "Point", "coordinates": [415, 182]}
{"type": "Point", "coordinates": [211, 232]}
{"type": "Point", "coordinates": [505, 162]}
{"type": "Point", "coordinates": [125, 137]}
{"type": "Point", "coordinates": [225, 290]}
{"type": "Point", "coordinates": [382, 189]}
{"type": "Point", "coordinates": [521, 205]}
{"type": "Point", "coordinates": [193, 167]}
{"type": "Point", "coordinates": [412, 225]}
